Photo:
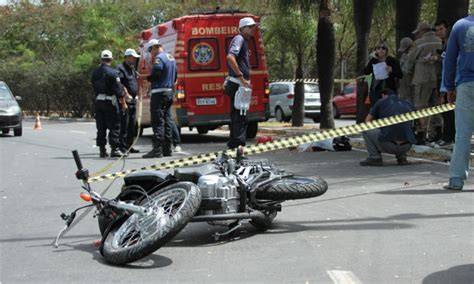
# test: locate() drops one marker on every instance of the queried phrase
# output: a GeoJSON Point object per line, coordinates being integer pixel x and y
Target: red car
{"type": "Point", "coordinates": [346, 102]}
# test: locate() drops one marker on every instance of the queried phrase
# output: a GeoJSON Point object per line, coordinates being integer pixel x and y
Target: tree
{"type": "Point", "coordinates": [452, 10]}
{"type": "Point", "coordinates": [407, 17]}
{"type": "Point", "coordinates": [326, 58]}
{"type": "Point", "coordinates": [292, 30]}
{"type": "Point", "coordinates": [363, 10]}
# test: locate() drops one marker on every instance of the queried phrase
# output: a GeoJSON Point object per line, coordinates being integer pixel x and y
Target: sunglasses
{"type": "Point", "coordinates": [381, 47]}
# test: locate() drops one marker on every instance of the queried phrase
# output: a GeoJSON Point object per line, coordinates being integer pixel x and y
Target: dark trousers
{"type": "Point", "coordinates": [128, 129]}
{"type": "Point", "coordinates": [160, 105]}
{"type": "Point", "coordinates": [449, 129]}
{"type": "Point", "coordinates": [238, 122]}
{"type": "Point", "coordinates": [107, 117]}
{"type": "Point", "coordinates": [175, 133]}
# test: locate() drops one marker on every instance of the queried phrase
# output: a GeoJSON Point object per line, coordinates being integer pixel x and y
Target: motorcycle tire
{"type": "Point", "coordinates": [293, 187]}
{"type": "Point", "coordinates": [138, 236]}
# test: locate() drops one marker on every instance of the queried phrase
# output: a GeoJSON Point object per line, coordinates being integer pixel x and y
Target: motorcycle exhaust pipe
{"type": "Point", "coordinates": [254, 215]}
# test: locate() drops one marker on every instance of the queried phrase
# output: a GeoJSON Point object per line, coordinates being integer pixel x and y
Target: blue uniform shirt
{"type": "Point", "coordinates": [460, 53]}
{"type": "Point", "coordinates": [239, 48]}
{"type": "Point", "coordinates": [128, 78]}
{"type": "Point", "coordinates": [390, 106]}
{"type": "Point", "coordinates": [164, 71]}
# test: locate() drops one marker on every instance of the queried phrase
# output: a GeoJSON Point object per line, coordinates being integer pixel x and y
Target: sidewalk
{"type": "Point", "coordinates": [282, 130]}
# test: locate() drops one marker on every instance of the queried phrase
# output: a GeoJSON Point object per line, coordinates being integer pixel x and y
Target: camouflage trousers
{"type": "Point", "coordinates": [426, 95]}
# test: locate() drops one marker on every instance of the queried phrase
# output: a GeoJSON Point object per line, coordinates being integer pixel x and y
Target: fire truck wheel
{"type": "Point", "coordinates": [252, 129]}
{"type": "Point", "coordinates": [202, 130]}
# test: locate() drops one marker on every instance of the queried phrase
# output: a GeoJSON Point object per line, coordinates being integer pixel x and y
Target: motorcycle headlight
{"type": "Point", "coordinates": [13, 110]}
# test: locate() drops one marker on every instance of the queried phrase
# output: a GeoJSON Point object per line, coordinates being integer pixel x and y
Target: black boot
{"type": "Point", "coordinates": [438, 134]}
{"type": "Point", "coordinates": [420, 138]}
{"type": "Point", "coordinates": [103, 152]}
{"type": "Point", "coordinates": [156, 152]}
{"type": "Point", "coordinates": [116, 153]}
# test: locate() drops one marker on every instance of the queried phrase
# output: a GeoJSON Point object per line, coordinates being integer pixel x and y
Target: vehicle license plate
{"type": "Point", "coordinates": [206, 101]}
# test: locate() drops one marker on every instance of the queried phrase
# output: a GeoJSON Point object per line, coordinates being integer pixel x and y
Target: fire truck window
{"type": "Point", "coordinates": [203, 54]}
{"type": "Point", "coordinates": [253, 54]}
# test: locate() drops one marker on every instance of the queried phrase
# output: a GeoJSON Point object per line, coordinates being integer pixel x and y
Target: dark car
{"type": "Point", "coordinates": [10, 112]}
{"type": "Point", "coordinates": [346, 102]}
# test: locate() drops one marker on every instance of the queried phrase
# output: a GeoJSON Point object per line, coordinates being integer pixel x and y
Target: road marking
{"type": "Point", "coordinates": [75, 131]}
{"type": "Point", "coordinates": [343, 277]}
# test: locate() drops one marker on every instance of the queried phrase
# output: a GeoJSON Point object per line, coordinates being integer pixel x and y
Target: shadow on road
{"type": "Point", "coordinates": [201, 235]}
{"type": "Point", "coordinates": [151, 261]}
{"type": "Point", "coordinates": [461, 274]}
{"type": "Point", "coordinates": [423, 191]}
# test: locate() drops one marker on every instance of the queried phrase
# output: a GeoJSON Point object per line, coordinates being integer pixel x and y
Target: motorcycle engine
{"type": "Point", "coordinates": [219, 194]}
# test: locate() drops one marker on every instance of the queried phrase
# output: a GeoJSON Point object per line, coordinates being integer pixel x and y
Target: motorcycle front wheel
{"type": "Point", "coordinates": [293, 187]}
{"type": "Point", "coordinates": [140, 235]}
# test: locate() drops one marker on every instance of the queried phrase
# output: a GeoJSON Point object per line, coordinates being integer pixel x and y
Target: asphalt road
{"type": "Point", "coordinates": [374, 225]}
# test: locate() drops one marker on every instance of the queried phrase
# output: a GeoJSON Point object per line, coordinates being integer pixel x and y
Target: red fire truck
{"type": "Point", "coordinates": [199, 43]}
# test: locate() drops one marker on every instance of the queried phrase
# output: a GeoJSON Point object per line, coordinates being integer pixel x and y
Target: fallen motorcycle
{"type": "Point", "coordinates": [153, 206]}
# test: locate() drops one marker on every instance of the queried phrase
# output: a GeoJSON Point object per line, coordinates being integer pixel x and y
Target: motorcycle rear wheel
{"type": "Point", "coordinates": [293, 187]}
{"type": "Point", "coordinates": [140, 235]}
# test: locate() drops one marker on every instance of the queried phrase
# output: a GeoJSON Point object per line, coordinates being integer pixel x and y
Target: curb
{"type": "Point", "coordinates": [57, 118]}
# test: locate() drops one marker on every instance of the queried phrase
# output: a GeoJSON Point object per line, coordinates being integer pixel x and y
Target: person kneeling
{"type": "Point", "coordinates": [394, 139]}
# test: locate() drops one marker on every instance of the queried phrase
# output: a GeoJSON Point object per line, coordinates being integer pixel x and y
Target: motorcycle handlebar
{"type": "Point", "coordinates": [77, 159]}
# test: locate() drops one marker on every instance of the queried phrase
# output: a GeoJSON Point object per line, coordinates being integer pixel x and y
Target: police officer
{"type": "Point", "coordinates": [422, 63]}
{"type": "Point", "coordinates": [163, 78]}
{"type": "Point", "coordinates": [109, 94]}
{"type": "Point", "coordinates": [238, 65]}
{"type": "Point", "coordinates": [128, 78]}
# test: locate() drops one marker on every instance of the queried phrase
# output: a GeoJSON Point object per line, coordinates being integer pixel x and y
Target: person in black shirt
{"type": "Point", "coordinates": [395, 73]}
{"type": "Point", "coordinates": [394, 139]}
{"type": "Point", "coordinates": [128, 77]}
{"type": "Point", "coordinates": [109, 94]}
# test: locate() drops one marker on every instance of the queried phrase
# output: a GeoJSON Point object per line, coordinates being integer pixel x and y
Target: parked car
{"type": "Point", "coordinates": [281, 100]}
{"type": "Point", "coordinates": [346, 102]}
{"type": "Point", "coordinates": [10, 113]}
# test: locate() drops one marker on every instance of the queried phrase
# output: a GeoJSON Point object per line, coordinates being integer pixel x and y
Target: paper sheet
{"type": "Point", "coordinates": [380, 71]}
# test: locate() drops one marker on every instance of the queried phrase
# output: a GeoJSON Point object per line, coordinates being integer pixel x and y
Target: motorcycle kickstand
{"type": "Point", "coordinates": [232, 229]}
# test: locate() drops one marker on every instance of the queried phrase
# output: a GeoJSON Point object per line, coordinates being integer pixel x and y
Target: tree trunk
{"type": "Point", "coordinates": [407, 17]}
{"type": "Point", "coordinates": [452, 10]}
{"type": "Point", "coordinates": [326, 58]}
{"type": "Point", "coordinates": [297, 116]}
{"type": "Point", "coordinates": [363, 10]}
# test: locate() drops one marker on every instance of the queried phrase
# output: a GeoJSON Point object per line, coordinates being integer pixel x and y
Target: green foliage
{"type": "Point", "coordinates": [48, 51]}
{"type": "Point", "coordinates": [288, 34]}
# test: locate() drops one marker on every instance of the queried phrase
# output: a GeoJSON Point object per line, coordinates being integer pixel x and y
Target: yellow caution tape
{"type": "Point", "coordinates": [287, 142]}
{"type": "Point", "coordinates": [313, 80]}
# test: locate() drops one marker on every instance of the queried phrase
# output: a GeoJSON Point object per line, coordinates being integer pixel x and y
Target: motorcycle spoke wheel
{"type": "Point", "coordinates": [168, 211]}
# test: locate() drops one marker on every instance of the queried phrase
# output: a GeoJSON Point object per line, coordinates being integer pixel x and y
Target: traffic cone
{"type": "Point", "coordinates": [37, 122]}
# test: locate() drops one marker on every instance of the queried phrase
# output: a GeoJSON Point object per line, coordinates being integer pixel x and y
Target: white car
{"type": "Point", "coordinates": [281, 100]}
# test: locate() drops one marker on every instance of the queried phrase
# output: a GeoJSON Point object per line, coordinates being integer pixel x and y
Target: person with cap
{"type": "Point", "coordinates": [459, 81]}
{"type": "Point", "coordinates": [422, 65]}
{"type": "Point", "coordinates": [109, 95]}
{"type": "Point", "coordinates": [405, 89]}
{"type": "Point", "coordinates": [394, 139]}
{"type": "Point", "coordinates": [394, 72]}
{"type": "Point", "coordinates": [163, 79]}
{"type": "Point", "coordinates": [238, 64]}
{"type": "Point", "coordinates": [128, 77]}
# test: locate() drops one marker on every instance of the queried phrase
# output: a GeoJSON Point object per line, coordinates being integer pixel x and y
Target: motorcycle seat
{"type": "Point", "coordinates": [153, 177]}
{"type": "Point", "coordinates": [193, 174]}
